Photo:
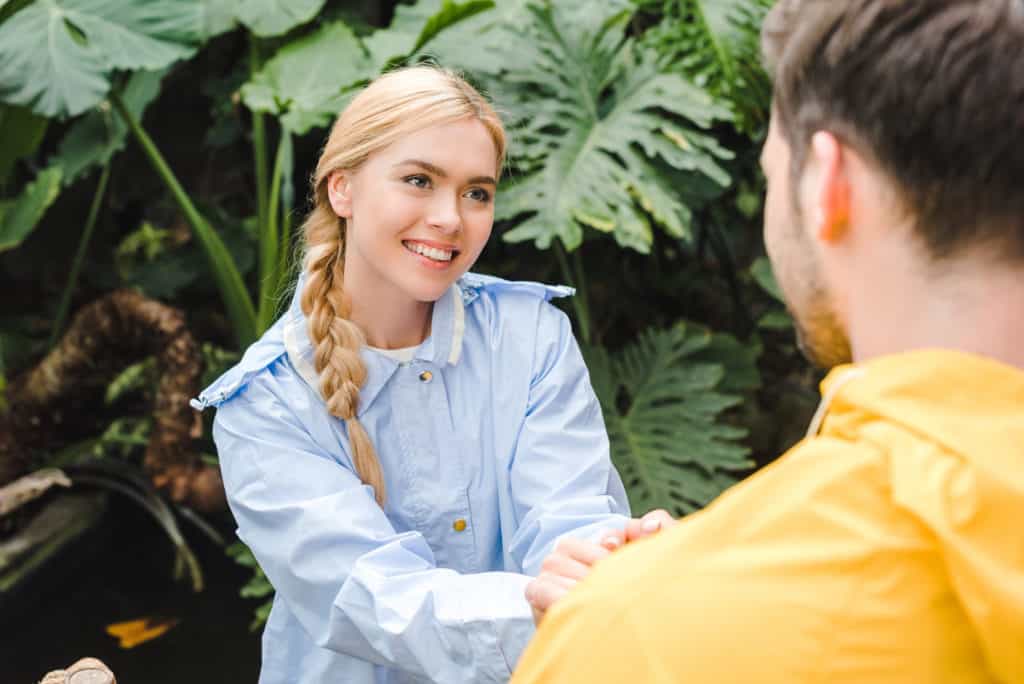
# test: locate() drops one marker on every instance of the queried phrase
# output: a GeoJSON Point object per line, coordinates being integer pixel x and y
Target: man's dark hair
{"type": "Point", "coordinates": [930, 90]}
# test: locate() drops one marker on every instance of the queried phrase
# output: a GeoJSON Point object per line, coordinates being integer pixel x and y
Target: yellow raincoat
{"type": "Point", "coordinates": [886, 547]}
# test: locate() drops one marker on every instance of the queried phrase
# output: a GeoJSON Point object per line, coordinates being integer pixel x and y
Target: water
{"type": "Point", "coordinates": [121, 571]}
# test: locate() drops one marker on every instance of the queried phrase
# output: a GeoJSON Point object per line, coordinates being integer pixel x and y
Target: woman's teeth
{"type": "Point", "coordinates": [429, 252]}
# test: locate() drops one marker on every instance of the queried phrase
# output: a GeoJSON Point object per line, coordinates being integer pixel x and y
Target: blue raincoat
{"type": "Point", "coordinates": [492, 446]}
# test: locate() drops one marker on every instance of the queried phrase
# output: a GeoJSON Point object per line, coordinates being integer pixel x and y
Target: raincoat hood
{"type": "Point", "coordinates": [960, 473]}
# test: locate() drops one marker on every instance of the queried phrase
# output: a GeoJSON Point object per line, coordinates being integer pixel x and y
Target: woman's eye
{"type": "Point", "coordinates": [417, 181]}
{"type": "Point", "coordinates": [479, 194]}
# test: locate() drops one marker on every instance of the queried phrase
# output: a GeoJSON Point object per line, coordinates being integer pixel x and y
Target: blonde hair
{"type": "Point", "coordinates": [392, 106]}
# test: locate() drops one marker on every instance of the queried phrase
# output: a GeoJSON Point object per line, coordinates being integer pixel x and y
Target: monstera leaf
{"type": "Point", "coordinates": [595, 121]}
{"type": "Point", "coordinates": [662, 398]}
{"type": "Point", "coordinates": [716, 43]}
{"type": "Point", "coordinates": [308, 81]}
{"type": "Point", "coordinates": [56, 55]}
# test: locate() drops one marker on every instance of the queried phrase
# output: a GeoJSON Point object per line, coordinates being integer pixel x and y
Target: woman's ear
{"type": "Point", "coordinates": [339, 194]}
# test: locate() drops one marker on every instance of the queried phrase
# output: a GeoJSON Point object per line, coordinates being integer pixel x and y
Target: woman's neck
{"type": "Point", "coordinates": [388, 318]}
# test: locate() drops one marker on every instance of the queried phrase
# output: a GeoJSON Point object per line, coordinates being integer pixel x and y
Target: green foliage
{"type": "Point", "coordinates": [68, 72]}
{"type": "Point", "coordinates": [95, 138]}
{"type": "Point", "coordinates": [661, 400]}
{"type": "Point", "coordinates": [134, 378]}
{"type": "Point", "coordinates": [716, 43]}
{"type": "Point", "coordinates": [274, 17]}
{"type": "Point", "coordinates": [596, 121]}
{"type": "Point", "coordinates": [257, 587]}
{"type": "Point", "coordinates": [22, 133]}
{"type": "Point", "coordinates": [18, 217]}
{"type": "Point", "coordinates": [307, 81]}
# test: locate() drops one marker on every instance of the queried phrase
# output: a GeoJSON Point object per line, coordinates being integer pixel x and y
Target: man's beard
{"type": "Point", "coordinates": [819, 334]}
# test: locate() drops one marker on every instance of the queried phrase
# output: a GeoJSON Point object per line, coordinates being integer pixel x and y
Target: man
{"type": "Point", "coordinates": [888, 546]}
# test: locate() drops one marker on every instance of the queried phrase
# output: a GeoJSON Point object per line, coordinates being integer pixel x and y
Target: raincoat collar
{"type": "Point", "coordinates": [442, 347]}
{"type": "Point", "coordinates": [937, 392]}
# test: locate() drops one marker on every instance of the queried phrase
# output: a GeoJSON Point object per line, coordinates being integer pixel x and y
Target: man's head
{"type": "Point", "coordinates": [898, 126]}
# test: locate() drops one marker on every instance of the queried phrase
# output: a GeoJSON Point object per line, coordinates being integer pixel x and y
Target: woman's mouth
{"type": "Point", "coordinates": [437, 254]}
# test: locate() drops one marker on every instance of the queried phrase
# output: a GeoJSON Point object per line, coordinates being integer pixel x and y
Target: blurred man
{"type": "Point", "coordinates": [887, 546]}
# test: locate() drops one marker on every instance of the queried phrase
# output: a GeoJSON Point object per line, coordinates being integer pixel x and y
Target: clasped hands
{"type": "Point", "coordinates": [573, 559]}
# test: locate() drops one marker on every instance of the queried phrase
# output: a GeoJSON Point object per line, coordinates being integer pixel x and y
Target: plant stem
{"type": "Point", "coordinates": [225, 272]}
{"type": "Point", "coordinates": [76, 266]}
{"type": "Point", "coordinates": [270, 241]}
{"type": "Point", "coordinates": [259, 142]}
{"type": "Point", "coordinates": [579, 302]}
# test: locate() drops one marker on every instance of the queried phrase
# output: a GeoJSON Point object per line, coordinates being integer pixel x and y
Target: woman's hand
{"type": "Point", "coordinates": [573, 559]}
{"type": "Point", "coordinates": [568, 564]}
{"type": "Point", "coordinates": [638, 528]}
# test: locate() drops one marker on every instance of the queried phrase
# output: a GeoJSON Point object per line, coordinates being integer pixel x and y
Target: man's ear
{"type": "Point", "coordinates": [339, 193]}
{"type": "Point", "coordinates": [830, 190]}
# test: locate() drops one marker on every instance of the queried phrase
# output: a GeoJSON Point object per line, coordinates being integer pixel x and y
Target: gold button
{"type": "Point", "coordinates": [426, 376]}
{"type": "Point", "coordinates": [459, 525]}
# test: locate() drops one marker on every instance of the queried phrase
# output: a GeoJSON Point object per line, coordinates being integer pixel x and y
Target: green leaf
{"type": "Point", "coordinates": [738, 360]}
{"type": "Point", "coordinates": [661, 404]}
{"type": "Point", "coordinates": [55, 55]}
{"type": "Point", "coordinates": [273, 17]}
{"type": "Point", "coordinates": [307, 82]}
{"type": "Point", "coordinates": [22, 133]}
{"type": "Point", "coordinates": [19, 218]}
{"type": "Point", "coordinates": [716, 43]}
{"type": "Point", "coordinates": [594, 119]}
{"type": "Point", "coordinates": [95, 138]}
{"type": "Point", "coordinates": [451, 13]}
{"type": "Point", "coordinates": [472, 44]}
{"type": "Point", "coordinates": [775, 320]}
{"type": "Point", "coordinates": [762, 272]}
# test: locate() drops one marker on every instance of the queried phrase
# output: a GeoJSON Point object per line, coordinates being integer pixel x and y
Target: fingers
{"type": "Point", "coordinates": [580, 550]}
{"type": "Point", "coordinates": [544, 591]}
{"type": "Point", "coordinates": [613, 539]}
{"type": "Point", "coordinates": [649, 524]}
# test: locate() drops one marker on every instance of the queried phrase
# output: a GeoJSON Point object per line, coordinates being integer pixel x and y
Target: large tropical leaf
{"type": "Point", "coordinates": [662, 400]}
{"type": "Point", "coordinates": [716, 43]}
{"type": "Point", "coordinates": [594, 120]}
{"type": "Point", "coordinates": [20, 216]}
{"type": "Point", "coordinates": [56, 55]}
{"type": "Point", "coordinates": [306, 82]}
{"type": "Point", "coordinates": [274, 17]}
{"type": "Point", "coordinates": [417, 28]}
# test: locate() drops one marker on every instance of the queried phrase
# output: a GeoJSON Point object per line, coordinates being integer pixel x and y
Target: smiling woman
{"type": "Point", "coordinates": [403, 448]}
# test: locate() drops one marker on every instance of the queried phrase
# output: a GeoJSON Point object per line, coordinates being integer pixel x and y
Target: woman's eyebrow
{"type": "Point", "coordinates": [441, 173]}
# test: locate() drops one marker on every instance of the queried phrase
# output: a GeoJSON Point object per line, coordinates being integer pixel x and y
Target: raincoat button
{"type": "Point", "coordinates": [459, 525]}
{"type": "Point", "coordinates": [426, 376]}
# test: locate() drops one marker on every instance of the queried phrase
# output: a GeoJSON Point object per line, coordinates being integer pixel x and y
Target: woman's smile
{"type": "Point", "coordinates": [432, 254]}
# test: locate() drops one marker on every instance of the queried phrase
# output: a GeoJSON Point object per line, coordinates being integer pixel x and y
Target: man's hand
{"type": "Point", "coordinates": [568, 564]}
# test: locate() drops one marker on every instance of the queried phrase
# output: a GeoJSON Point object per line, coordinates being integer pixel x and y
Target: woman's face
{"type": "Point", "coordinates": [418, 212]}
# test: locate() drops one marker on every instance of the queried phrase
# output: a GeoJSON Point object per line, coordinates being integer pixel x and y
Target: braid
{"type": "Point", "coordinates": [336, 340]}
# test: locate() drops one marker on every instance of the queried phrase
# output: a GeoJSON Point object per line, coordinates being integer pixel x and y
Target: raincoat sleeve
{"type": "Point", "coordinates": [355, 584]}
{"type": "Point", "coordinates": [562, 478]}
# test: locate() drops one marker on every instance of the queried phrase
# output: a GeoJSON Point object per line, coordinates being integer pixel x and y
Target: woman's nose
{"type": "Point", "coordinates": [444, 214]}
